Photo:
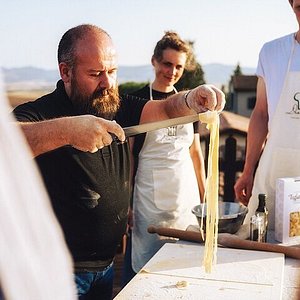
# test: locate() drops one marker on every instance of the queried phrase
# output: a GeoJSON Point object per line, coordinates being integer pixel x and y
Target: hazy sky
{"type": "Point", "coordinates": [224, 31]}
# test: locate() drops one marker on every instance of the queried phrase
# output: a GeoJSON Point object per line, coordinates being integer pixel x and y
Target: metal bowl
{"type": "Point", "coordinates": [231, 216]}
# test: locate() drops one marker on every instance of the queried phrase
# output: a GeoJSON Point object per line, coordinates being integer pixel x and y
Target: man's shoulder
{"type": "Point", "coordinates": [39, 102]}
{"type": "Point", "coordinates": [48, 106]}
{"type": "Point", "coordinates": [279, 42]}
{"type": "Point", "coordinates": [47, 99]}
{"type": "Point", "coordinates": [32, 110]}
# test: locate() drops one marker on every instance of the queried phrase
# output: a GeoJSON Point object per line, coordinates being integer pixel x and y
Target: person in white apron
{"type": "Point", "coordinates": [281, 154]}
{"type": "Point", "coordinates": [166, 186]}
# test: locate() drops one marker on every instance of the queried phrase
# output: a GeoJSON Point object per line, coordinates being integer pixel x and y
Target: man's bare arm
{"type": "Point", "coordinates": [86, 133]}
{"type": "Point", "coordinates": [257, 134]}
{"type": "Point", "coordinates": [199, 99]}
{"type": "Point", "coordinates": [258, 129]}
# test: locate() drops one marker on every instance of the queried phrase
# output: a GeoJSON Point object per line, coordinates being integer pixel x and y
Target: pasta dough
{"type": "Point", "coordinates": [211, 195]}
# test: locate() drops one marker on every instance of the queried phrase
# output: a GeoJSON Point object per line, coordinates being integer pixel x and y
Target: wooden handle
{"type": "Point", "coordinates": [231, 241]}
{"type": "Point", "coordinates": [227, 240]}
{"type": "Point", "coordinates": [191, 236]}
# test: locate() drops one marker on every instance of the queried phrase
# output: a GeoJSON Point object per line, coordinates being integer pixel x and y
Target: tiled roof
{"type": "Point", "coordinates": [244, 82]}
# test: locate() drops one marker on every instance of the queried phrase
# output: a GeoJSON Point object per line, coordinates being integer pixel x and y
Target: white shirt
{"type": "Point", "coordinates": [272, 67]}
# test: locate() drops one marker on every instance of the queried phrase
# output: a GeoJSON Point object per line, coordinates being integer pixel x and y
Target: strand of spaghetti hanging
{"type": "Point", "coordinates": [211, 196]}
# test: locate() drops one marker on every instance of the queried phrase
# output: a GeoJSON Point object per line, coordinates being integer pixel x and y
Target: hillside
{"type": "Point", "coordinates": [31, 78]}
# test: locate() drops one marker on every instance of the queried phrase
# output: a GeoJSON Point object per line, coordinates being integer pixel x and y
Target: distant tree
{"type": "Point", "coordinates": [229, 95]}
{"type": "Point", "coordinates": [237, 70]}
{"type": "Point", "coordinates": [229, 101]}
{"type": "Point", "coordinates": [193, 75]}
{"type": "Point", "coordinates": [130, 86]}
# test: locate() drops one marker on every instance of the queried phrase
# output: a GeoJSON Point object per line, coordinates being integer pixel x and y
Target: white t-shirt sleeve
{"type": "Point", "coordinates": [260, 68]}
{"type": "Point", "coordinates": [272, 67]}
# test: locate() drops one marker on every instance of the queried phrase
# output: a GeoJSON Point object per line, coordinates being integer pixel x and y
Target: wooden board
{"type": "Point", "coordinates": [238, 273]}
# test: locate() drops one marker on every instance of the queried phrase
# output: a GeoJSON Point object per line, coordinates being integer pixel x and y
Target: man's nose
{"type": "Point", "coordinates": [106, 82]}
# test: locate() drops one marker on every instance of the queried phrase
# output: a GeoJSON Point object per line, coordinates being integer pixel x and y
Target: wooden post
{"type": "Point", "coordinates": [229, 168]}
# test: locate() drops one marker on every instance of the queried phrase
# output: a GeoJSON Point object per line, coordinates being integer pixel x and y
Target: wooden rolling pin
{"type": "Point", "coordinates": [227, 240]}
{"type": "Point", "coordinates": [191, 236]}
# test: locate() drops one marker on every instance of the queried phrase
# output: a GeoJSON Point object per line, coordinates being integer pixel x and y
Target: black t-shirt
{"type": "Point", "coordinates": [89, 191]}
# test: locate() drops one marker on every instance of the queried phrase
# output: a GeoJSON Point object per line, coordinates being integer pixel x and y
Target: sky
{"type": "Point", "coordinates": [223, 31]}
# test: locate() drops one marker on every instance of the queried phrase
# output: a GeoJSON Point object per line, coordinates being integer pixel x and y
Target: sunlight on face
{"type": "Point", "coordinates": [170, 68]}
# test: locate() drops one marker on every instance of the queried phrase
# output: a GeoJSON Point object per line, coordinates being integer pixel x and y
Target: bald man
{"type": "Point", "coordinates": [86, 170]}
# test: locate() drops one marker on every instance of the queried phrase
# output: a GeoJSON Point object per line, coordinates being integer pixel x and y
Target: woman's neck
{"type": "Point", "coordinates": [162, 88]}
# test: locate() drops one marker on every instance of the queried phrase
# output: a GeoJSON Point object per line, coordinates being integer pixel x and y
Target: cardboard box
{"type": "Point", "coordinates": [287, 210]}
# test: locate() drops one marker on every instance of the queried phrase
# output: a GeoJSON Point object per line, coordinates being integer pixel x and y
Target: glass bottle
{"type": "Point", "coordinates": [259, 221]}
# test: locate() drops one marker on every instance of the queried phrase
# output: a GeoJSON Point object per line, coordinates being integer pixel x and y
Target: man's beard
{"type": "Point", "coordinates": [102, 103]}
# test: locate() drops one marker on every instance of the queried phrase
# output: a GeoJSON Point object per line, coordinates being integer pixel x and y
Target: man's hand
{"type": "Point", "coordinates": [243, 188]}
{"type": "Point", "coordinates": [86, 133]}
{"type": "Point", "coordinates": [89, 133]}
{"type": "Point", "coordinates": [206, 97]}
{"type": "Point", "coordinates": [200, 99]}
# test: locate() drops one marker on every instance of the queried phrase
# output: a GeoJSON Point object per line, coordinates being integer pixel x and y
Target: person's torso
{"type": "Point", "coordinates": [281, 154]}
{"type": "Point", "coordinates": [89, 191]}
{"type": "Point", "coordinates": [272, 67]}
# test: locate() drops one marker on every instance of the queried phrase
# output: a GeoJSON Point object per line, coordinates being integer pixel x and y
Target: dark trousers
{"type": "Point", "coordinates": [95, 285]}
{"type": "Point", "coordinates": [128, 273]}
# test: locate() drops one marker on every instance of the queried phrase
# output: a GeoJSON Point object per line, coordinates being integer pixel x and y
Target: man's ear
{"type": "Point", "coordinates": [65, 72]}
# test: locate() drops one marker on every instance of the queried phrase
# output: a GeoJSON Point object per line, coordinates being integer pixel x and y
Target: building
{"type": "Point", "coordinates": [242, 94]}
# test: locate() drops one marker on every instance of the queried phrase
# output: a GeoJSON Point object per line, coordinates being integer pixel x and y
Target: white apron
{"type": "Point", "coordinates": [281, 155]}
{"type": "Point", "coordinates": [165, 190]}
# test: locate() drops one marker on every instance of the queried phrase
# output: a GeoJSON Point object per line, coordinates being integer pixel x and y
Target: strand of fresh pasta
{"type": "Point", "coordinates": [211, 196]}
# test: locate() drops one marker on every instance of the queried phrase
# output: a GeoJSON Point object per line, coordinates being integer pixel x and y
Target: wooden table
{"type": "Point", "coordinates": [238, 274]}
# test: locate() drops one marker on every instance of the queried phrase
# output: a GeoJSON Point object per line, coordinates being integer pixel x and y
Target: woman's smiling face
{"type": "Point", "coordinates": [170, 68]}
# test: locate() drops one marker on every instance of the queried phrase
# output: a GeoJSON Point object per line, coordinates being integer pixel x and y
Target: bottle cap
{"type": "Point", "coordinates": [262, 197]}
